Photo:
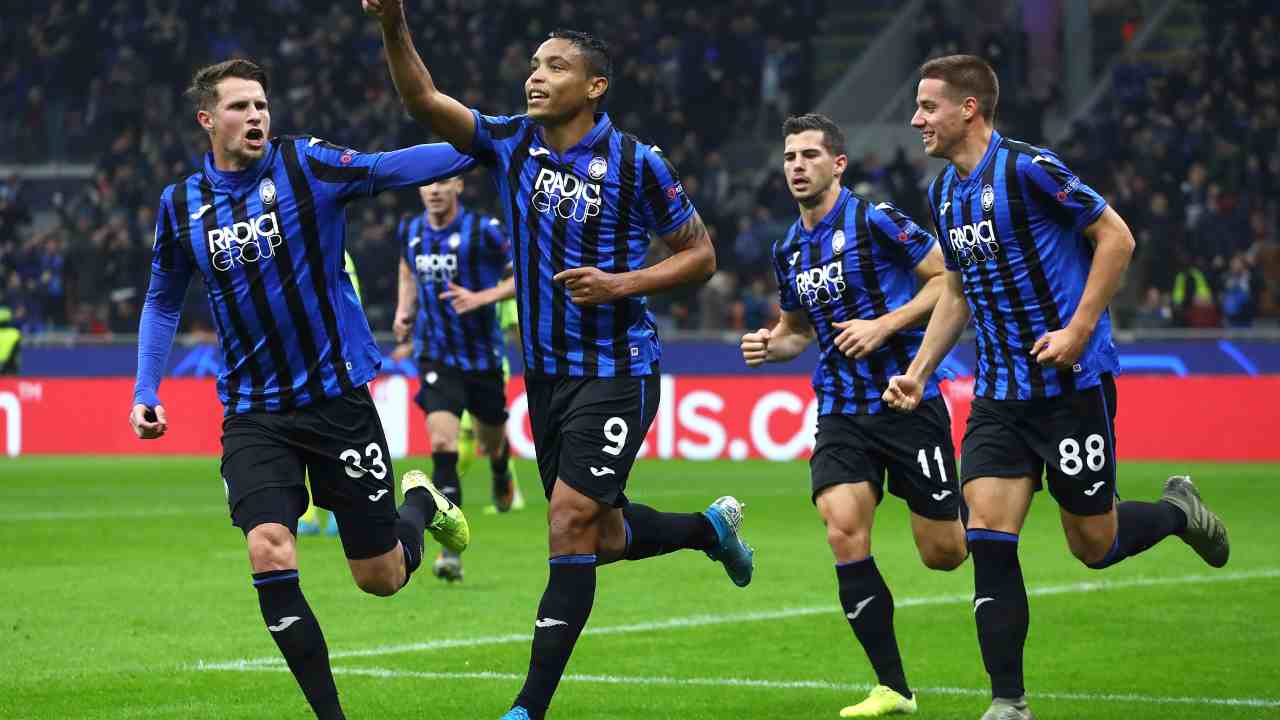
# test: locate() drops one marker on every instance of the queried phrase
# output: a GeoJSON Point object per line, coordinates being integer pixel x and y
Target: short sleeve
{"type": "Point", "coordinates": [493, 141]}
{"type": "Point", "coordinates": [341, 172]}
{"type": "Point", "coordinates": [1058, 191]}
{"type": "Point", "coordinates": [666, 206]}
{"type": "Point", "coordinates": [787, 299]}
{"type": "Point", "coordinates": [910, 242]}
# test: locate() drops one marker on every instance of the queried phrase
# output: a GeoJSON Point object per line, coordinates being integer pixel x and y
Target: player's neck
{"type": "Point", "coordinates": [812, 214]}
{"type": "Point", "coordinates": [972, 149]}
{"type": "Point", "coordinates": [230, 162]}
{"type": "Point", "coordinates": [441, 221]}
{"type": "Point", "coordinates": [562, 136]}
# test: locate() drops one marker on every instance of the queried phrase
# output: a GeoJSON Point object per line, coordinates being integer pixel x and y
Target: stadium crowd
{"type": "Point", "coordinates": [1186, 150]}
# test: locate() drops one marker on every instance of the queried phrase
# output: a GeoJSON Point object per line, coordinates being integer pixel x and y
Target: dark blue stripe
{"type": "Point", "coordinates": [573, 560]}
{"type": "Point", "coordinates": [980, 534]}
{"type": "Point", "coordinates": [851, 563]}
{"type": "Point", "coordinates": [289, 575]}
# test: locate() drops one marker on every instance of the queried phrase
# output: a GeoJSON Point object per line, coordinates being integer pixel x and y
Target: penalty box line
{"type": "Point", "coordinates": [691, 621]}
{"type": "Point", "coordinates": [749, 683]}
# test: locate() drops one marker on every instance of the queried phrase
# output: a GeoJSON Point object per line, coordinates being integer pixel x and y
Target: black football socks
{"type": "Point", "coordinates": [1139, 526]}
{"type": "Point", "coordinates": [563, 612]}
{"type": "Point", "coordinates": [499, 465]}
{"type": "Point", "coordinates": [650, 532]}
{"type": "Point", "coordinates": [298, 635]}
{"type": "Point", "coordinates": [419, 508]}
{"type": "Point", "coordinates": [444, 475]}
{"type": "Point", "coordinates": [868, 606]}
{"type": "Point", "coordinates": [1000, 608]}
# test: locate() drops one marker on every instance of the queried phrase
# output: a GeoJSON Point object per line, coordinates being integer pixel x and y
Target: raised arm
{"type": "Point", "coordinates": [440, 113]}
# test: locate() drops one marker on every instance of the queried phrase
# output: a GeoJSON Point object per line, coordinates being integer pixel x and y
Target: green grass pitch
{"type": "Point", "coordinates": [126, 594]}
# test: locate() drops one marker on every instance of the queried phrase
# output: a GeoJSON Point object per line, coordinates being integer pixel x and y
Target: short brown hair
{"type": "Point", "coordinates": [832, 135]}
{"type": "Point", "coordinates": [968, 76]}
{"type": "Point", "coordinates": [203, 92]}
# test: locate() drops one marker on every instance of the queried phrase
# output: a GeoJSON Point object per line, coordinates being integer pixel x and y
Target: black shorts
{"type": "Point", "coordinates": [339, 444]}
{"type": "Point", "coordinates": [914, 449]}
{"type": "Point", "coordinates": [444, 387]}
{"type": "Point", "coordinates": [587, 431]}
{"type": "Point", "coordinates": [1071, 438]}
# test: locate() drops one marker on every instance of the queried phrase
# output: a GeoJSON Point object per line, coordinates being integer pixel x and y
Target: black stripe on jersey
{"type": "Point", "coordinates": [305, 203]}
{"type": "Point", "coordinates": [559, 241]}
{"type": "Point", "coordinates": [1021, 318]}
{"type": "Point", "coordinates": [982, 286]}
{"type": "Point", "coordinates": [627, 194]}
{"type": "Point", "coordinates": [532, 275]}
{"type": "Point", "coordinates": [472, 276]}
{"type": "Point", "coordinates": [589, 324]}
{"type": "Point", "coordinates": [1020, 218]}
{"type": "Point", "coordinates": [165, 249]}
{"type": "Point", "coordinates": [935, 202]}
{"type": "Point", "coordinates": [1050, 205]}
{"type": "Point", "coordinates": [502, 131]}
{"type": "Point", "coordinates": [336, 173]}
{"type": "Point", "coordinates": [266, 319]}
{"type": "Point", "coordinates": [897, 343]}
{"type": "Point", "coordinates": [842, 363]}
{"type": "Point", "coordinates": [987, 282]}
{"type": "Point", "coordinates": [245, 340]}
{"type": "Point", "coordinates": [298, 316]}
{"type": "Point", "coordinates": [655, 196]}
{"type": "Point", "coordinates": [871, 282]}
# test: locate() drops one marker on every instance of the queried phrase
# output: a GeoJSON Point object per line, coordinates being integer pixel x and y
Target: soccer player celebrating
{"type": "Point", "coordinates": [263, 223]}
{"type": "Point", "coordinates": [581, 198]}
{"type": "Point", "coordinates": [456, 260]}
{"type": "Point", "coordinates": [1034, 256]}
{"type": "Point", "coordinates": [847, 273]}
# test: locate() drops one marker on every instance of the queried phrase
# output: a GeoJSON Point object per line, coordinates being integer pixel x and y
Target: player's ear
{"type": "Point", "coordinates": [205, 119]}
{"type": "Point", "coordinates": [838, 165]}
{"type": "Point", "coordinates": [598, 87]}
{"type": "Point", "coordinates": [970, 107]}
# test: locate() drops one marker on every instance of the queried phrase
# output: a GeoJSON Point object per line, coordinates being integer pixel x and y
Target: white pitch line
{"type": "Point", "coordinates": [759, 616]}
{"type": "Point", "coordinates": [94, 514]}
{"type": "Point", "coordinates": [791, 685]}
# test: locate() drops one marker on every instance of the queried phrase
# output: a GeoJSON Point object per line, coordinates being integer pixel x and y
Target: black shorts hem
{"type": "Point", "coordinates": [1001, 473]}
{"type": "Point", "coordinates": [819, 487]}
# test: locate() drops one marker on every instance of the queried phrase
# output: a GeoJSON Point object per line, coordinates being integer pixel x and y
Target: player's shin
{"type": "Point", "coordinates": [563, 612]}
{"type": "Point", "coordinates": [444, 473]}
{"type": "Point", "coordinates": [1000, 608]}
{"type": "Point", "coordinates": [297, 633]}
{"type": "Point", "coordinates": [868, 606]}
{"type": "Point", "coordinates": [650, 532]}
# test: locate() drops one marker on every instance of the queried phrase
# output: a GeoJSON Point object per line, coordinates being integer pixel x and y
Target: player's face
{"type": "Point", "coordinates": [939, 117]}
{"type": "Point", "coordinates": [440, 197]}
{"type": "Point", "coordinates": [810, 168]}
{"type": "Point", "coordinates": [240, 122]}
{"type": "Point", "coordinates": [558, 86]}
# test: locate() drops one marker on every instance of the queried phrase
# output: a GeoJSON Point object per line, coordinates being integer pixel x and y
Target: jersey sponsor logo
{"type": "Point", "coordinates": [247, 241]}
{"type": "Point", "coordinates": [565, 195]}
{"type": "Point", "coordinates": [598, 168]}
{"type": "Point", "coordinates": [837, 241]}
{"type": "Point", "coordinates": [267, 191]}
{"type": "Point", "coordinates": [436, 267]}
{"type": "Point", "coordinates": [975, 242]}
{"type": "Point", "coordinates": [988, 198]}
{"type": "Point", "coordinates": [821, 285]}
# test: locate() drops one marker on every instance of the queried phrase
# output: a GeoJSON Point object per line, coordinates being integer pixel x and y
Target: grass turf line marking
{"type": "Point", "coordinates": [758, 616]}
{"type": "Point", "coordinates": [789, 685]}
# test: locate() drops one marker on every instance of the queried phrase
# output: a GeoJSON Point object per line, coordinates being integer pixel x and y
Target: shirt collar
{"type": "Point", "coordinates": [602, 127]}
{"type": "Point", "coordinates": [829, 220]}
{"type": "Point", "coordinates": [236, 181]}
{"type": "Point", "coordinates": [996, 138]}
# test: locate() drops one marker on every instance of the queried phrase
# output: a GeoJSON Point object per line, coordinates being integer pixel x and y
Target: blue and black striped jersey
{"type": "Point", "coordinates": [269, 243]}
{"type": "Point", "coordinates": [858, 262]}
{"type": "Point", "coordinates": [472, 251]}
{"type": "Point", "coordinates": [1014, 230]}
{"type": "Point", "coordinates": [594, 205]}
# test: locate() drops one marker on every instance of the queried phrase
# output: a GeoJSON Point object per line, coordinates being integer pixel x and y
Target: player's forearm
{"type": "Point", "coordinates": [917, 311]}
{"type": "Point", "coordinates": [786, 343]}
{"type": "Point", "coordinates": [504, 290]}
{"type": "Point", "coordinates": [424, 102]}
{"type": "Point", "coordinates": [693, 265]}
{"type": "Point", "coordinates": [419, 165]}
{"type": "Point", "coordinates": [406, 293]}
{"type": "Point", "coordinates": [156, 330]}
{"type": "Point", "coordinates": [1111, 256]}
{"type": "Point", "coordinates": [949, 318]}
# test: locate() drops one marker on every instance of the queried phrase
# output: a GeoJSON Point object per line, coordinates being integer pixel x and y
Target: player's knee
{"type": "Point", "coordinates": [1090, 550]}
{"type": "Point", "coordinates": [848, 543]}
{"type": "Point", "coordinates": [568, 524]}
{"type": "Point", "coordinates": [270, 548]}
{"type": "Point", "coordinates": [443, 443]}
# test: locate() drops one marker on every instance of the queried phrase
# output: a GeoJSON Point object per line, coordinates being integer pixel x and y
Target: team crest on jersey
{"type": "Point", "coordinates": [455, 240]}
{"type": "Point", "coordinates": [598, 168]}
{"type": "Point", "coordinates": [988, 198]}
{"type": "Point", "coordinates": [837, 241]}
{"type": "Point", "coordinates": [267, 191]}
